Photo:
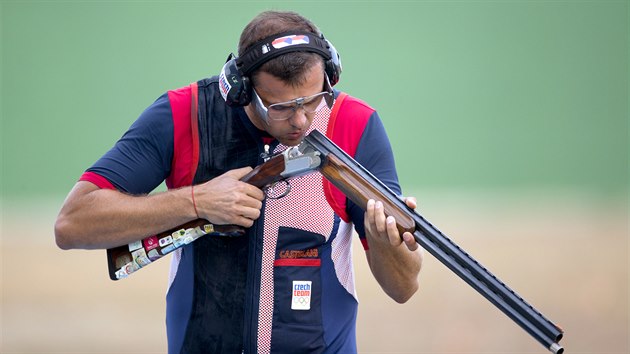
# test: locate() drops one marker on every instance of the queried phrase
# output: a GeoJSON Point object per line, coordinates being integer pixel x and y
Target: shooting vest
{"type": "Point", "coordinates": [262, 292]}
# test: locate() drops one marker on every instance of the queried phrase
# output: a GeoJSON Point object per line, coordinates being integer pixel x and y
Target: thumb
{"type": "Point", "coordinates": [411, 202]}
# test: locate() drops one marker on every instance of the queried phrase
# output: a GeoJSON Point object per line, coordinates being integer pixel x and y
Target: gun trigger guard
{"type": "Point", "coordinates": [269, 189]}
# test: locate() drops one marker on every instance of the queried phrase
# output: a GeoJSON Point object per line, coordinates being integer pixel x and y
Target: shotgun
{"type": "Point", "coordinates": [318, 153]}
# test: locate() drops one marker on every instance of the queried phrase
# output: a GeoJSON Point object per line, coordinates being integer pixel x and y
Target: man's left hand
{"type": "Point", "coordinates": [383, 228]}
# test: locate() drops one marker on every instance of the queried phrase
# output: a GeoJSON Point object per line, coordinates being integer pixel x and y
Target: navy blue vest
{"type": "Point", "coordinates": [227, 140]}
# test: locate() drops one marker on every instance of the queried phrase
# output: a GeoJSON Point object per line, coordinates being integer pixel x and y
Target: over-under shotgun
{"type": "Point", "coordinates": [318, 153]}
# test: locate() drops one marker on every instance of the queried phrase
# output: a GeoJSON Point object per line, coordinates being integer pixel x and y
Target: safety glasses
{"type": "Point", "coordinates": [286, 110]}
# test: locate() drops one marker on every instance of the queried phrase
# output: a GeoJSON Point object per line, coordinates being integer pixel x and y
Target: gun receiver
{"type": "Point", "coordinates": [359, 185]}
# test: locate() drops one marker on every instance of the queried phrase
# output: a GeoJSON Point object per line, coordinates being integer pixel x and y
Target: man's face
{"type": "Point", "coordinates": [271, 90]}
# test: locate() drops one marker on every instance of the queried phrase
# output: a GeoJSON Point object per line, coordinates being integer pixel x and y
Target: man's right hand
{"type": "Point", "coordinates": [227, 200]}
{"type": "Point", "coordinates": [103, 218]}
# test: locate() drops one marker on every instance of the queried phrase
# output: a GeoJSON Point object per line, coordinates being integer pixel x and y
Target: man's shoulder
{"type": "Point", "coordinates": [353, 114]}
{"type": "Point", "coordinates": [184, 90]}
{"type": "Point", "coordinates": [356, 105]}
{"type": "Point", "coordinates": [351, 117]}
{"type": "Point", "coordinates": [187, 90]}
{"type": "Point", "coordinates": [180, 94]}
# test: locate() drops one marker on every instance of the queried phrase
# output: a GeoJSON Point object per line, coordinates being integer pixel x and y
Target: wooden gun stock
{"type": "Point", "coordinates": [359, 185]}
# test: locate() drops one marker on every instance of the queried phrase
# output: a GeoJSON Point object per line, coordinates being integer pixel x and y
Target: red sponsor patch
{"type": "Point", "coordinates": [150, 243]}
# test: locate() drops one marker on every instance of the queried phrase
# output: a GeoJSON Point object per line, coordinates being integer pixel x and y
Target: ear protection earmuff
{"type": "Point", "coordinates": [234, 82]}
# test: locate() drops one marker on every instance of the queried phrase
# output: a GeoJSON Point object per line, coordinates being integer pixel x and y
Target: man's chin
{"type": "Point", "coordinates": [291, 141]}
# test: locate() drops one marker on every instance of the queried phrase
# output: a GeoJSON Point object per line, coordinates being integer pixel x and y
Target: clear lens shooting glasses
{"type": "Point", "coordinates": [285, 110]}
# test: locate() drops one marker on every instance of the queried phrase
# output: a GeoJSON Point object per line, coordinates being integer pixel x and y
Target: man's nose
{"type": "Point", "coordinates": [299, 118]}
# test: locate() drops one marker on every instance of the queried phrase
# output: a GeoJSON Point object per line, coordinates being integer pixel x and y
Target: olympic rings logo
{"type": "Point", "coordinates": [301, 300]}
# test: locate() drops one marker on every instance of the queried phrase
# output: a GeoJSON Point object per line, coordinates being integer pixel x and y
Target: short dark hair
{"type": "Point", "coordinates": [291, 67]}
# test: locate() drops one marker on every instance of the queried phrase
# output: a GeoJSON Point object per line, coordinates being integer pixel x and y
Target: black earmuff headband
{"type": "Point", "coordinates": [234, 79]}
{"type": "Point", "coordinates": [279, 44]}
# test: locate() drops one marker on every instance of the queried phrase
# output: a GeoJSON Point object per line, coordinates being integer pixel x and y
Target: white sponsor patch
{"type": "Point", "coordinates": [135, 245]}
{"type": "Point", "coordinates": [224, 85]}
{"type": "Point", "coordinates": [126, 270]}
{"type": "Point", "coordinates": [165, 241]}
{"type": "Point", "coordinates": [140, 257]}
{"type": "Point", "coordinates": [301, 297]}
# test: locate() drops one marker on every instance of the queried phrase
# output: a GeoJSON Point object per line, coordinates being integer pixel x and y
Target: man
{"type": "Point", "coordinates": [288, 285]}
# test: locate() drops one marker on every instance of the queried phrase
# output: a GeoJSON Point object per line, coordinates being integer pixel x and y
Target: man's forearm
{"type": "Point", "coordinates": [395, 268]}
{"type": "Point", "coordinates": [93, 218]}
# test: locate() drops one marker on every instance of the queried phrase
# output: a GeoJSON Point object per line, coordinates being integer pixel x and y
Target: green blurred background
{"type": "Point", "coordinates": [508, 119]}
{"type": "Point", "coordinates": [480, 94]}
